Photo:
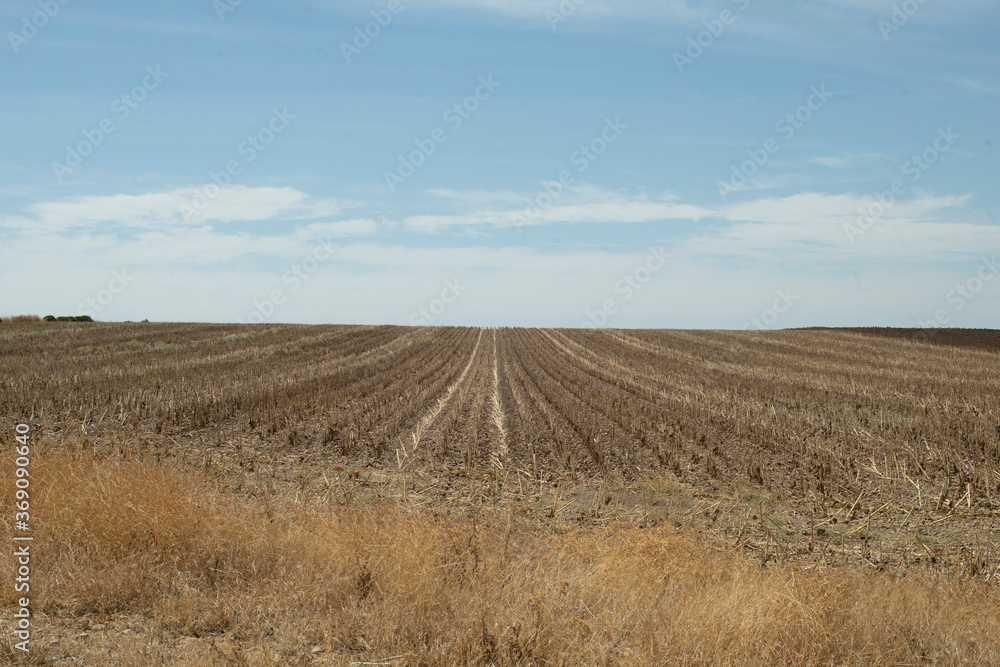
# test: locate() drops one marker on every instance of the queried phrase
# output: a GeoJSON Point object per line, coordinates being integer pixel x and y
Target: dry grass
{"type": "Point", "coordinates": [202, 577]}
{"type": "Point", "coordinates": [20, 318]}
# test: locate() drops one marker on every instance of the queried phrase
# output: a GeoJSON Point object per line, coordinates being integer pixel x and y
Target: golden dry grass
{"type": "Point", "coordinates": [200, 576]}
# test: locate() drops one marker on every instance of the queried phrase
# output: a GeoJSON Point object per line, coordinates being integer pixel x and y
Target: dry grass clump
{"type": "Point", "coordinates": [255, 583]}
{"type": "Point", "coordinates": [21, 318]}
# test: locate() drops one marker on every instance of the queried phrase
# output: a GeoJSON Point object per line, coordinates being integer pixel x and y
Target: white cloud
{"type": "Point", "coordinates": [358, 227]}
{"type": "Point", "coordinates": [831, 161]}
{"type": "Point", "coordinates": [663, 10]}
{"type": "Point", "coordinates": [774, 182]}
{"type": "Point", "coordinates": [850, 160]}
{"type": "Point", "coordinates": [805, 25]}
{"type": "Point", "coordinates": [164, 209]}
{"type": "Point", "coordinates": [626, 212]}
{"type": "Point", "coordinates": [186, 245]}
{"type": "Point", "coordinates": [886, 6]}
{"type": "Point", "coordinates": [810, 219]}
{"type": "Point", "coordinates": [811, 227]}
{"type": "Point", "coordinates": [816, 208]}
{"type": "Point", "coordinates": [579, 204]}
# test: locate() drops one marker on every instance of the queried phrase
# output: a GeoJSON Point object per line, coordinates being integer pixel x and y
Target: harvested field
{"type": "Point", "coordinates": [508, 496]}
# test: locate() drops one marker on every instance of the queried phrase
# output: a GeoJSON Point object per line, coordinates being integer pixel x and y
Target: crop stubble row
{"type": "Point", "coordinates": [818, 412]}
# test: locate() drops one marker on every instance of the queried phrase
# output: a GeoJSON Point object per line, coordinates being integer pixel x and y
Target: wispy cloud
{"type": "Point", "coordinates": [805, 226]}
{"type": "Point", "coordinates": [578, 204]}
{"type": "Point", "coordinates": [850, 160]}
{"type": "Point", "coordinates": [832, 161]}
{"type": "Point", "coordinates": [163, 209]}
{"type": "Point", "coordinates": [833, 210]}
{"type": "Point", "coordinates": [800, 214]}
{"type": "Point", "coordinates": [662, 10]}
{"type": "Point", "coordinates": [954, 7]}
{"type": "Point", "coordinates": [188, 245]}
{"type": "Point", "coordinates": [810, 227]}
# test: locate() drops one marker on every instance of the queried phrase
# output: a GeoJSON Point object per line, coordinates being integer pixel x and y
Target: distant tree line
{"type": "Point", "coordinates": [69, 318]}
{"type": "Point", "coordinates": [48, 318]}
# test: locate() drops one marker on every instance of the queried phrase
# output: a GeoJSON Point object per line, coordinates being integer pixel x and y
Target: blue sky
{"type": "Point", "coordinates": [524, 163]}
